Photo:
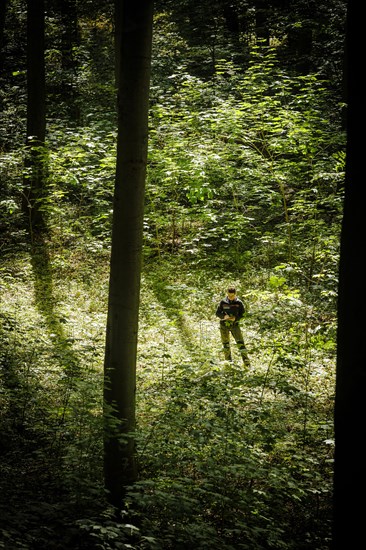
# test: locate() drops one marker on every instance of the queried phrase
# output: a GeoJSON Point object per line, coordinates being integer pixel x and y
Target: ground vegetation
{"type": "Point", "coordinates": [245, 186]}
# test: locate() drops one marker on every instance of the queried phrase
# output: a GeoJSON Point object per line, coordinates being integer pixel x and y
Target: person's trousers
{"type": "Point", "coordinates": [225, 329]}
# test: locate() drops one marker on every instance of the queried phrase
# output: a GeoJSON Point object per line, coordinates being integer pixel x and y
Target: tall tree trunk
{"type": "Point", "coordinates": [350, 415]}
{"type": "Point", "coordinates": [36, 113]}
{"type": "Point", "coordinates": [70, 39]}
{"type": "Point", "coordinates": [261, 20]}
{"type": "Point", "coordinates": [133, 21]}
{"type": "Point", "coordinates": [300, 42]}
{"type": "Point", "coordinates": [3, 8]}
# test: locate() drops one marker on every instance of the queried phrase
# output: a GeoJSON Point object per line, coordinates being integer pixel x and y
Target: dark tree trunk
{"type": "Point", "coordinates": [261, 20]}
{"type": "Point", "coordinates": [300, 42]}
{"type": "Point", "coordinates": [133, 53]}
{"type": "Point", "coordinates": [70, 39]}
{"type": "Point", "coordinates": [350, 411]}
{"type": "Point", "coordinates": [36, 114]}
{"type": "Point", "coordinates": [3, 6]}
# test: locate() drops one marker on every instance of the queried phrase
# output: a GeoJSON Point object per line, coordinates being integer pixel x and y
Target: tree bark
{"type": "Point", "coordinates": [350, 415]}
{"type": "Point", "coordinates": [70, 39]}
{"type": "Point", "coordinates": [36, 113]}
{"type": "Point", "coordinates": [133, 53]}
{"type": "Point", "coordinates": [3, 8]}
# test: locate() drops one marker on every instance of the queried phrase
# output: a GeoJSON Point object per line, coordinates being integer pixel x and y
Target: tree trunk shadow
{"type": "Point", "coordinates": [173, 307]}
{"type": "Point", "coordinates": [47, 305]}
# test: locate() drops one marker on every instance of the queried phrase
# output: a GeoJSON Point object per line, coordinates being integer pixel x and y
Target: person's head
{"type": "Point", "coordinates": [231, 292]}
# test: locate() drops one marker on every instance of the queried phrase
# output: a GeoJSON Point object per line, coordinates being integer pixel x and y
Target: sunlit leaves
{"type": "Point", "coordinates": [247, 145]}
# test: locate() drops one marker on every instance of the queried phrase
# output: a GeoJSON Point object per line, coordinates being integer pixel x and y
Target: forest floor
{"type": "Point", "coordinates": [60, 302]}
{"type": "Point", "coordinates": [208, 431]}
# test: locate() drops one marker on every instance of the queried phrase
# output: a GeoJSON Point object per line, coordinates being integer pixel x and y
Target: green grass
{"type": "Point", "coordinates": [227, 458]}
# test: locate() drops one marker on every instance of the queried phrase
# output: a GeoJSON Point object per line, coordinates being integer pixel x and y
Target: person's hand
{"type": "Point", "coordinates": [229, 317]}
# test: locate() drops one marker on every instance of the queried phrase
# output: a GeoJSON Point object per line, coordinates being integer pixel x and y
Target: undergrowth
{"type": "Point", "coordinates": [227, 458]}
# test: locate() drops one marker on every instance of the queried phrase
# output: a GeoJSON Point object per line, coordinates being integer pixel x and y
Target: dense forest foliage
{"type": "Point", "coordinates": [245, 187]}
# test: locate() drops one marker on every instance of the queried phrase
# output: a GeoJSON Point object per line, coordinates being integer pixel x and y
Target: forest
{"type": "Point", "coordinates": [243, 185]}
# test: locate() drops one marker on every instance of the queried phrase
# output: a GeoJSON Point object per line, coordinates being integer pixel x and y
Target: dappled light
{"type": "Point", "coordinates": [244, 188]}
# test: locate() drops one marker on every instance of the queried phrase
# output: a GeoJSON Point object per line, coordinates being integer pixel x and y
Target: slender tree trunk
{"type": "Point", "coordinates": [300, 41]}
{"type": "Point", "coordinates": [350, 411]}
{"type": "Point", "coordinates": [261, 20]}
{"type": "Point", "coordinates": [3, 8]}
{"type": "Point", "coordinates": [133, 53]}
{"type": "Point", "coordinates": [36, 113]}
{"type": "Point", "coordinates": [69, 40]}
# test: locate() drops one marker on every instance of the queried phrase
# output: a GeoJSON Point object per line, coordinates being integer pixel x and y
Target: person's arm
{"type": "Point", "coordinates": [219, 311]}
{"type": "Point", "coordinates": [241, 310]}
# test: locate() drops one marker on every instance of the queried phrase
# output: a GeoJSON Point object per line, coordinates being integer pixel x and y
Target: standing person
{"type": "Point", "coordinates": [230, 310]}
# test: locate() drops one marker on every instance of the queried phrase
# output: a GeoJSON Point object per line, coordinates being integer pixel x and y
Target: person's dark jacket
{"type": "Point", "coordinates": [230, 307]}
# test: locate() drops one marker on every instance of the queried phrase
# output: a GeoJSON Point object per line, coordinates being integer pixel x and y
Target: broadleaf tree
{"type": "Point", "coordinates": [133, 24]}
{"type": "Point", "coordinates": [35, 167]}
